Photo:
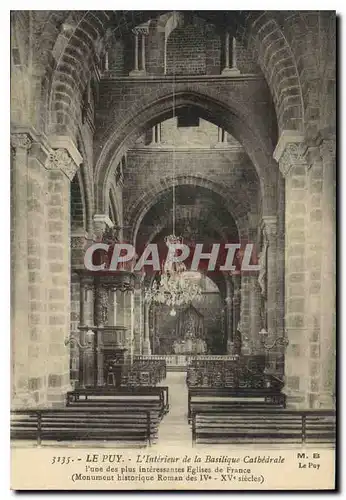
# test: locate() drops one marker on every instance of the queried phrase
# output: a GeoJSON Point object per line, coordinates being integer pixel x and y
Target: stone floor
{"type": "Point", "coordinates": [174, 428]}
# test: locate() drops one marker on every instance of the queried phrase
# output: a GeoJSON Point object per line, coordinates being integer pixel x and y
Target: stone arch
{"type": "Point", "coordinates": [262, 34]}
{"type": "Point", "coordinates": [235, 120]}
{"type": "Point", "coordinates": [259, 31]}
{"type": "Point", "coordinates": [134, 217]}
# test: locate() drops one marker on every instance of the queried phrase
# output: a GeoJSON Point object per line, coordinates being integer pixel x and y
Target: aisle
{"type": "Point", "coordinates": [174, 427]}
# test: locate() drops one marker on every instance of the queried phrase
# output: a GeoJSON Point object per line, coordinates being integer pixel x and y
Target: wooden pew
{"type": "Point", "coordinates": [155, 398]}
{"type": "Point", "coordinates": [144, 372]}
{"type": "Point", "coordinates": [224, 399]}
{"type": "Point", "coordinates": [315, 427]}
{"type": "Point", "coordinates": [70, 424]}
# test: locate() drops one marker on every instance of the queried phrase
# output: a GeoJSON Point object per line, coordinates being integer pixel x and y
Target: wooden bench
{"type": "Point", "coordinates": [143, 373]}
{"type": "Point", "coordinates": [315, 427]}
{"type": "Point", "coordinates": [83, 424]}
{"type": "Point", "coordinates": [137, 397]}
{"type": "Point", "coordinates": [225, 399]}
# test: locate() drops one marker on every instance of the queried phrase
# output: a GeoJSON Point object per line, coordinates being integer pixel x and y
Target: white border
{"type": "Point", "coordinates": [339, 6]}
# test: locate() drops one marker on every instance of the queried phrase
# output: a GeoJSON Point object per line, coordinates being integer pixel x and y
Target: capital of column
{"type": "Point", "coordinates": [21, 140]}
{"type": "Point", "coordinates": [64, 156]}
{"type": "Point", "coordinates": [143, 29]}
{"type": "Point", "coordinates": [269, 225]}
{"type": "Point", "coordinates": [289, 150]}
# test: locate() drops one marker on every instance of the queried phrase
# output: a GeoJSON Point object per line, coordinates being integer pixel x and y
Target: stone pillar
{"type": "Point", "coordinates": [87, 357]}
{"type": "Point", "coordinates": [255, 315]}
{"type": "Point", "coordinates": [146, 340]}
{"type": "Point", "coordinates": [43, 291]}
{"type": "Point", "coordinates": [280, 258]}
{"type": "Point", "coordinates": [275, 359]}
{"type": "Point", "coordinates": [229, 314]}
{"type": "Point", "coordinates": [143, 52]}
{"type": "Point", "coordinates": [313, 268]}
{"type": "Point", "coordinates": [138, 321]}
{"type": "Point", "coordinates": [101, 319]}
{"type": "Point", "coordinates": [41, 266]}
{"type": "Point", "coordinates": [236, 304]}
{"type": "Point", "coordinates": [156, 134]}
{"type": "Point", "coordinates": [244, 326]}
{"type": "Point", "coordinates": [328, 274]}
{"type": "Point", "coordinates": [113, 308]}
{"type": "Point", "coordinates": [294, 168]}
{"type": "Point", "coordinates": [136, 52]}
{"type": "Point", "coordinates": [62, 164]}
{"type": "Point", "coordinates": [20, 145]}
{"type": "Point", "coordinates": [82, 322]}
{"type": "Point", "coordinates": [221, 138]}
{"type": "Point", "coordinates": [143, 31]}
{"type": "Point", "coordinates": [234, 54]}
{"type": "Point", "coordinates": [227, 50]}
{"type": "Point", "coordinates": [233, 71]}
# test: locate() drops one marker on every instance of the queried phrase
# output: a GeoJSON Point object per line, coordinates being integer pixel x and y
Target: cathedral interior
{"type": "Point", "coordinates": [231, 113]}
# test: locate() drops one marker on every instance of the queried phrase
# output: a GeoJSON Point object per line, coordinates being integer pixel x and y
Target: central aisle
{"type": "Point", "coordinates": [174, 427]}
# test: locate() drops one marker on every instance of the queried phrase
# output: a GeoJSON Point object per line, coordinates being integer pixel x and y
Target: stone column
{"type": "Point", "coordinates": [129, 322]}
{"type": "Point", "coordinates": [229, 314]}
{"type": "Point", "coordinates": [294, 168]}
{"type": "Point", "coordinates": [101, 319]}
{"type": "Point", "coordinates": [236, 304]}
{"type": "Point", "coordinates": [156, 134]}
{"type": "Point", "coordinates": [233, 71]}
{"type": "Point", "coordinates": [313, 268]}
{"type": "Point", "coordinates": [328, 274]}
{"type": "Point", "coordinates": [146, 340]}
{"type": "Point", "coordinates": [143, 52]}
{"type": "Point", "coordinates": [138, 321]}
{"type": "Point", "coordinates": [143, 31]}
{"type": "Point", "coordinates": [136, 52]}
{"type": "Point", "coordinates": [269, 227]}
{"type": "Point", "coordinates": [113, 307]}
{"type": "Point", "coordinates": [86, 358]}
{"type": "Point", "coordinates": [255, 315]}
{"type": "Point", "coordinates": [87, 355]}
{"type": "Point", "coordinates": [62, 164]}
{"type": "Point", "coordinates": [234, 54]}
{"type": "Point", "coordinates": [20, 145]}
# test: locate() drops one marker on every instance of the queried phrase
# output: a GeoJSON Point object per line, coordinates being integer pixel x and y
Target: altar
{"type": "Point", "coordinates": [190, 333]}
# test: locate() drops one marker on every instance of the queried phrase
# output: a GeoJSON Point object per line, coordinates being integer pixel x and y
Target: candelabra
{"type": "Point", "coordinates": [277, 342]}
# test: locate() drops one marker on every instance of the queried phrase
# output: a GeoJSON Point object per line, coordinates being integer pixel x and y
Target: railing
{"type": "Point", "coordinates": [185, 359]}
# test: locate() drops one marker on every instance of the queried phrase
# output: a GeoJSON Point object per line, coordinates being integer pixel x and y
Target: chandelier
{"type": "Point", "coordinates": [175, 288]}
